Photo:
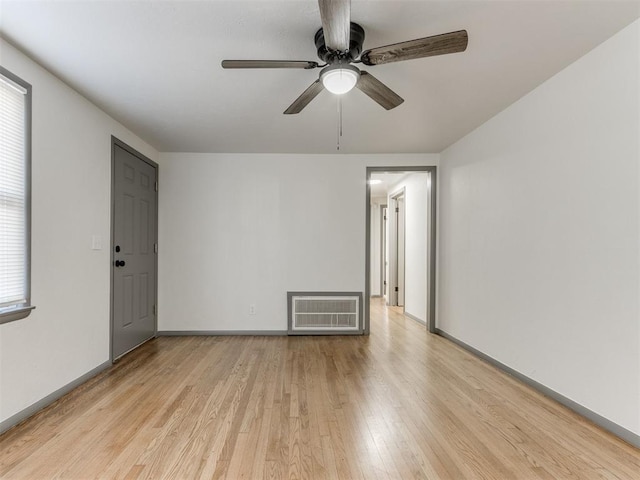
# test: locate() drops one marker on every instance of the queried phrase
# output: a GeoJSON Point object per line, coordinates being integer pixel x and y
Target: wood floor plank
{"type": "Point", "coordinates": [397, 404]}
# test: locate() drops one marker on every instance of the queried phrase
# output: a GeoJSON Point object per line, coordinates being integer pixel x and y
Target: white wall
{"type": "Point", "coordinates": [68, 333]}
{"type": "Point", "coordinates": [242, 229]}
{"type": "Point", "coordinates": [376, 245]}
{"type": "Point", "coordinates": [540, 233]}
{"type": "Point", "coordinates": [417, 217]}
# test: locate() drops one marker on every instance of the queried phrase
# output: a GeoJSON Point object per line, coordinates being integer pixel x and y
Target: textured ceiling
{"type": "Point", "coordinates": [155, 66]}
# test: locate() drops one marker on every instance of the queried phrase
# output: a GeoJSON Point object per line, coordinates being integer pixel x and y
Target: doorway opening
{"type": "Point", "coordinates": [401, 240]}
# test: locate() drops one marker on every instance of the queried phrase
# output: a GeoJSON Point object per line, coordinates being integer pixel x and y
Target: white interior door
{"type": "Point", "coordinates": [396, 249]}
{"type": "Point", "coordinates": [400, 222]}
{"type": "Point", "coordinates": [383, 252]}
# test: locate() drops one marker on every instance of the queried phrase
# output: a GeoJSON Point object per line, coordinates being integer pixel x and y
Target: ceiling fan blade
{"type": "Point", "coordinates": [268, 64]}
{"type": "Point", "coordinates": [306, 97]}
{"type": "Point", "coordinates": [336, 23]}
{"type": "Point", "coordinates": [378, 91]}
{"type": "Point", "coordinates": [451, 42]}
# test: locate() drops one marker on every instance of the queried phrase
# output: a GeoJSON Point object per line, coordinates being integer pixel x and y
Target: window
{"type": "Point", "coordinates": [15, 197]}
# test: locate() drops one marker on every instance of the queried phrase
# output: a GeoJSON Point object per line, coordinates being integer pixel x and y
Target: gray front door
{"type": "Point", "coordinates": [134, 255]}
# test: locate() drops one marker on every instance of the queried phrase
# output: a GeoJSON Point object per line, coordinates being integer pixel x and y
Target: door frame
{"type": "Point", "coordinates": [383, 249]}
{"type": "Point", "coordinates": [431, 254]}
{"type": "Point", "coordinates": [395, 255]}
{"type": "Point", "coordinates": [117, 142]}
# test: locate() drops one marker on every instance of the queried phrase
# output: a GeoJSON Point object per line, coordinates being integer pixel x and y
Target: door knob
{"type": "Point", "coordinates": [119, 263]}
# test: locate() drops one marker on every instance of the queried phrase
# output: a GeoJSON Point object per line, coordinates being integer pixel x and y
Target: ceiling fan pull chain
{"type": "Point", "coordinates": [339, 120]}
{"type": "Point", "coordinates": [340, 110]}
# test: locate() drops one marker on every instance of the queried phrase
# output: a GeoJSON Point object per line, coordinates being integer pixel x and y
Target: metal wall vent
{"type": "Point", "coordinates": [322, 313]}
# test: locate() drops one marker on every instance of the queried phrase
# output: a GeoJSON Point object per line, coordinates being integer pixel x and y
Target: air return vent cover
{"type": "Point", "coordinates": [324, 313]}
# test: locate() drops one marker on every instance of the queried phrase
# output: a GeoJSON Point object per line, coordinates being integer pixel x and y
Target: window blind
{"type": "Point", "coordinates": [13, 195]}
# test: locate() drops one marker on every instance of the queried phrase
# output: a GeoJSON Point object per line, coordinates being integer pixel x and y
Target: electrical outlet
{"type": "Point", "coordinates": [252, 309]}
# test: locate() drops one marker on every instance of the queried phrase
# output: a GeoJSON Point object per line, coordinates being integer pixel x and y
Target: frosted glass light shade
{"type": "Point", "coordinates": [340, 79]}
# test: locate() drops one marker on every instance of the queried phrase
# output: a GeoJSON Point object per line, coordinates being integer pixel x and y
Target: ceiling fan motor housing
{"type": "Point", "coordinates": [356, 40]}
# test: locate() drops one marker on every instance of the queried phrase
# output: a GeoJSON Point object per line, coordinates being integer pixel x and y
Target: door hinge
{"type": "Point", "coordinates": [156, 186]}
{"type": "Point", "coordinates": [385, 217]}
{"type": "Point", "coordinates": [155, 248]}
{"type": "Point", "coordinates": [396, 289]}
{"type": "Point", "coordinates": [384, 283]}
{"type": "Point", "coordinates": [397, 210]}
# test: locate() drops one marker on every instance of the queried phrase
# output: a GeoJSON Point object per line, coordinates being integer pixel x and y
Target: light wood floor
{"type": "Point", "coordinates": [399, 404]}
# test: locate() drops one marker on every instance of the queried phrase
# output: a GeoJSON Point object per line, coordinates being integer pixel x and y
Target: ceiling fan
{"type": "Point", "coordinates": [339, 43]}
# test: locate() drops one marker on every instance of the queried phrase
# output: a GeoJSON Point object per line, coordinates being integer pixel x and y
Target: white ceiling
{"type": "Point", "coordinates": [155, 66]}
{"type": "Point", "coordinates": [387, 180]}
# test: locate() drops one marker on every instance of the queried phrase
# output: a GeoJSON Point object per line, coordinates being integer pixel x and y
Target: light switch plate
{"type": "Point", "coordinates": [96, 242]}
